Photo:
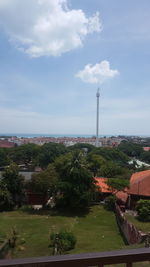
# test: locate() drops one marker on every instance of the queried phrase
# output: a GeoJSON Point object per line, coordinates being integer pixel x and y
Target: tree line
{"type": "Point", "coordinates": [67, 172]}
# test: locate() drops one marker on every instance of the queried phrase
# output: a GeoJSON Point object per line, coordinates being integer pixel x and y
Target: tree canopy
{"type": "Point", "coordinates": [24, 154]}
{"type": "Point", "coordinates": [49, 152]}
{"type": "Point", "coordinates": [131, 149]}
{"type": "Point", "coordinates": [13, 182]}
{"type": "Point", "coordinates": [117, 184]}
{"type": "Point", "coordinates": [45, 182]}
{"type": "Point", "coordinates": [76, 182]}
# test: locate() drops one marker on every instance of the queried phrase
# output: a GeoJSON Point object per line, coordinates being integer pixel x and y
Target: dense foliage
{"type": "Point", "coordinates": [49, 152]}
{"type": "Point", "coordinates": [32, 155]}
{"type": "Point", "coordinates": [110, 203]}
{"type": "Point", "coordinates": [6, 201]}
{"type": "Point", "coordinates": [117, 184]}
{"type": "Point", "coordinates": [62, 242]}
{"type": "Point", "coordinates": [44, 182]}
{"type": "Point", "coordinates": [145, 156]}
{"type": "Point", "coordinates": [4, 159]}
{"type": "Point", "coordinates": [109, 162]}
{"type": "Point", "coordinates": [112, 154]}
{"type": "Point", "coordinates": [131, 149]}
{"type": "Point", "coordinates": [11, 187]}
{"type": "Point", "coordinates": [143, 210]}
{"type": "Point", "coordinates": [67, 172]}
{"type": "Point", "coordinates": [77, 186]}
{"type": "Point", "coordinates": [24, 154]}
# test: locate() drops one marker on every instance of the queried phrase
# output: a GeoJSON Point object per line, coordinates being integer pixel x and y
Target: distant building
{"type": "Point", "coordinates": [6, 144]}
{"type": "Point", "coordinates": [146, 148]}
{"type": "Point", "coordinates": [105, 191]}
{"type": "Point", "coordinates": [139, 187]}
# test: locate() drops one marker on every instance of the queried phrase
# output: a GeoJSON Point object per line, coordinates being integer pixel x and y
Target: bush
{"type": "Point", "coordinates": [143, 210]}
{"type": "Point", "coordinates": [110, 203]}
{"type": "Point", "coordinates": [62, 241]}
{"type": "Point", "coordinates": [13, 238]}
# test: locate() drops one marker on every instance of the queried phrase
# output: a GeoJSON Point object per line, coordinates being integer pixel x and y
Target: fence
{"type": "Point", "coordinates": [83, 260]}
{"type": "Point", "coordinates": [4, 247]}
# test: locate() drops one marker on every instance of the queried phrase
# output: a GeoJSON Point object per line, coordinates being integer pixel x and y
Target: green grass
{"type": "Point", "coordinates": [95, 231]}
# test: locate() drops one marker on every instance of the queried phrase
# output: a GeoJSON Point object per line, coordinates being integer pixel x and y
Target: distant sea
{"type": "Point", "coordinates": [50, 135]}
{"type": "Point", "coordinates": [29, 135]}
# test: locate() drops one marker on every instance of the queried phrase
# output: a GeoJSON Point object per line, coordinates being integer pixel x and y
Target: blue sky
{"type": "Point", "coordinates": [54, 54]}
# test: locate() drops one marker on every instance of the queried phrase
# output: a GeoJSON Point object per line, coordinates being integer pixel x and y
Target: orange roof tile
{"type": "Point", "coordinates": [140, 183]}
{"type": "Point", "coordinates": [101, 183]}
{"type": "Point", "coordinates": [122, 196]}
{"type": "Point", "coordinates": [146, 148]}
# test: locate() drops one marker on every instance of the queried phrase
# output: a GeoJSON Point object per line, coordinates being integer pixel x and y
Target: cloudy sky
{"type": "Point", "coordinates": [54, 54]}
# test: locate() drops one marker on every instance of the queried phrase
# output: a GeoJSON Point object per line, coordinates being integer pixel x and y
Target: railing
{"type": "Point", "coordinates": [83, 260]}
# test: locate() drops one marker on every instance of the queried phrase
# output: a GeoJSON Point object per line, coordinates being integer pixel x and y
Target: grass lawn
{"type": "Point", "coordinates": [142, 226]}
{"type": "Point", "coordinates": [95, 231]}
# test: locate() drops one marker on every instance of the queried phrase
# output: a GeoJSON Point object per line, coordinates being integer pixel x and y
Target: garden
{"type": "Point", "coordinates": [95, 230]}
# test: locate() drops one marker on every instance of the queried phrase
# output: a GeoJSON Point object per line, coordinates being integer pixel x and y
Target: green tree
{"type": "Point", "coordinates": [49, 152]}
{"type": "Point", "coordinates": [25, 154]}
{"type": "Point", "coordinates": [130, 149]}
{"type": "Point", "coordinates": [77, 185]}
{"type": "Point", "coordinates": [113, 155]}
{"type": "Point", "coordinates": [117, 184]}
{"type": "Point", "coordinates": [145, 156]}
{"type": "Point", "coordinates": [109, 169]}
{"type": "Point", "coordinates": [143, 209]}
{"type": "Point", "coordinates": [45, 182]}
{"type": "Point", "coordinates": [14, 183]}
{"type": "Point", "coordinates": [4, 160]}
{"type": "Point", "coordinates": [6, 201]}
{"type": "Point", "coordinates": [95, 163]}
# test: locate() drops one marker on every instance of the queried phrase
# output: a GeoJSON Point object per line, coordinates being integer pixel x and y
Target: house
{"type": "Point", "coordinates": [6, 144]}
{"type": "Point", "coordinates": [146, 148]}
{"type": "Point", "coordinates": [105, 191]}
{"type": "Point", "coordinates": [139, 187]}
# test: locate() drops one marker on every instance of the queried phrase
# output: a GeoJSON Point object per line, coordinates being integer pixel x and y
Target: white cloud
{"type": "Point", "coordinates": [97, 73]}
{"type": "Point", "coordinates": [46, 27]}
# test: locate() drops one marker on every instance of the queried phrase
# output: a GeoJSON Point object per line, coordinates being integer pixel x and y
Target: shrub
{"type": "Point", "coordinates": [110, 203]}
{"type": "Point", "coordinates": [13, 238]}
{"type": "Point", "coordinates": [62, 241]}
{"type": "Point", "coordinates": [143, 210]}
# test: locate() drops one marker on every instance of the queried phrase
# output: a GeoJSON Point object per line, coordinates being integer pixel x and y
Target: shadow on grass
{"type": "Point", "coordinates": [72, 212]}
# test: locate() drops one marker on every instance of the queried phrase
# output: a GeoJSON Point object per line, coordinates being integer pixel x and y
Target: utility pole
{"type": "Point", "coordinates": [97, 119]}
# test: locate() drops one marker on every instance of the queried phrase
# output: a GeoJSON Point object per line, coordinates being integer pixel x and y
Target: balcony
{"type": "Point", "coordinates": [99, 259]}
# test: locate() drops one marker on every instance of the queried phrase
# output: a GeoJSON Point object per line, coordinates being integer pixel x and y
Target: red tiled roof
{"type": "Point", "coordinates": [140, 183]}
{"type": "Point", "coordinates": [146, 148]}
{"type": "Point", "coordinates": [122, 196]}
{"type": "Point", "coordinates": [104, 188]}
{"type": "Point", "coordinates": [101, 183]}
{"type": "Point", "coordinates": [6, 144]}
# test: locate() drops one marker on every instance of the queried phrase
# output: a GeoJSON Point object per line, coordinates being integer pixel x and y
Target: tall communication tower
{"type": "Point", "coordinates": [97, 119]}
